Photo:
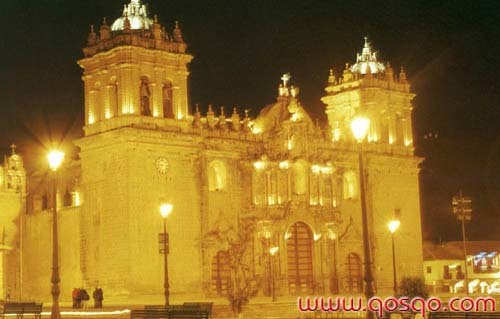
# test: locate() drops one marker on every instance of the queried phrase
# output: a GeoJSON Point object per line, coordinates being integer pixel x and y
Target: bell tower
{"type": "Point", "coordinates": [136, 106]}
{"type": "Point", "coordinates": [371, 87]}
{"type": "Point", "coordinates": [134, 70]}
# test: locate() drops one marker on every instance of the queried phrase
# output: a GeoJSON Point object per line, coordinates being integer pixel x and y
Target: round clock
{"type": "Point", "coordinates": [162, 165]}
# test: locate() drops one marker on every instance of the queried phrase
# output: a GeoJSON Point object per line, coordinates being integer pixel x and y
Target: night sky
{"type": "Point", "coordinates": [450, 49]}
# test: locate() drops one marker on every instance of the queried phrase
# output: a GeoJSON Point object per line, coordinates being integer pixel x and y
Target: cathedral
{"type": "Point", "coordinates": [296, 183]}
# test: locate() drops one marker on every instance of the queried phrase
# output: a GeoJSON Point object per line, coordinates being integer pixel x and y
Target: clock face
{"type": "Point", "coordinates": [162, 165]}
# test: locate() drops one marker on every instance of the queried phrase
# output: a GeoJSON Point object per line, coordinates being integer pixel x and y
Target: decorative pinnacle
{"type": "Point", "coordinates": [156, 18]}
{"type": "Point", "coordinates": [104, 21]}
{"type": "Point", "coordinates": [91, 28]}
{"type": "Point", "coordinates": [366, 42]}
{"type": "Point", "coordinates": [13, 148]}
{"type": "Point", "coordinates": [222, 111]}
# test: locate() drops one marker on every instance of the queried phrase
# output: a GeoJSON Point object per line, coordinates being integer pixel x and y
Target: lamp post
{"type": "Point", "coordinates": [393, 227]}
{"type": "Point", "coordinates": [165, 210]}
{"type": "Point", "coordinates": [359, 126]}
{"type": "Point", "coordinates": [272, 252]}
{"type": "Point", "coordinates": [55, 159]}
{"type": "Point", "coordinates": [332, 237]}
{"type": "Point", "coordinates": [462, 208]}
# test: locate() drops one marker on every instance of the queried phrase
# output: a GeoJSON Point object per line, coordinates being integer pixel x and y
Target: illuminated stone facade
{"type": "Point", "coordinates": [296, 181]}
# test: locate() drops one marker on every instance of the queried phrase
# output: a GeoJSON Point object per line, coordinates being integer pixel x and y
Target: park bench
{"type": "Point", "coordinates": [464, 315]}
{"type": "Point", "coordinates": [204, 306]}
{"type": "Point", "coordinates": [172, 312]}
{"type": "Point", "coordinates": [22, 308]}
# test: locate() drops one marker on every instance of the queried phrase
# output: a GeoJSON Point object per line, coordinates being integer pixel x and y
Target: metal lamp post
{"type": "Point", "coordinates": [272, 252]}
{"type": "Point", "coordinates": [359, 126]}
{"type": "Point", "coordinates": [393, 227]}
{"type": "Point", "coordinates": [462, 208]}
{"type": "Point", "coordinates": [165, 210]}
{"type": "Point", "coordinates": [55, 159]}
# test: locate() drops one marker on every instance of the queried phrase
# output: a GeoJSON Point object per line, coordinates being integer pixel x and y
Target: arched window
{"type": "Point", "coordinates": [299, 258]}
{"type": "Point", "coordinates": [217, 176]}
{"type": "Point", "coordinates": [67, 199]}
{"type": "Point", "coordinates": [350, 185]}
{"type": "Point", "coordinates": [299, 178]}
{"type": "Point", "coordinates": [168, 105]}
{"type": "Point", "coordinates": [145, 94]}
{"type": "Point", "coordinates": [354, 280]}
{"type": "Point", "coordinates": [45, 202]}
{"type": "Point", "coordinates": [221, 273]}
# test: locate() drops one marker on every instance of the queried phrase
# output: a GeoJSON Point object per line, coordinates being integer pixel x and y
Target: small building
{"type": "Point", "coordinates": [444, 269]}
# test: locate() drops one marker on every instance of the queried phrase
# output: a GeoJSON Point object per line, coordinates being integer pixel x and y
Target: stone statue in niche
{"type": "Point", "coordinates": [145, 97]}
{"type": "Point", "coordinates": [168, 110]}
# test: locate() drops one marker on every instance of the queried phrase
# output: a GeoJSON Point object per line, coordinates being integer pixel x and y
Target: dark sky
{"type": "Point", "coordinates": [451, 50]}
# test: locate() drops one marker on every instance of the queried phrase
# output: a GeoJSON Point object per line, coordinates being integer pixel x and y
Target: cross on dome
{"type": "Point", "coordinates": [367, 61]}
{"type": "Point", "coordinates": [285, 78]}
{"type": "Point", "coordinates": [137, 15]}
{"type": "Point", "coordinates": [13, 148]}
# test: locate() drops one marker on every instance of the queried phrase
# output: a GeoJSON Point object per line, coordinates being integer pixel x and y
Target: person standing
{"type": "Point", "coordinates": [98, 297]}
{"type": "Point", "coordinates": [74, 296]}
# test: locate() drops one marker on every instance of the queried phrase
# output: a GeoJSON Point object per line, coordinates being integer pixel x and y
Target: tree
{"type": "Point", "coordinates": [237, 242]}
{"type": "Point", "coordinates": [413, 287]}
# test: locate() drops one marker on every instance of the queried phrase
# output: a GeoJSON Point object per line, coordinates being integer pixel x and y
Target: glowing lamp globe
{"type": "Point", "coordinates": [55, 158]}
{"type": "Point", "coordinates": [166, 209]}
{"type": "Point", "coordinates": [273, 250]}
{"type": "Point", "coordinates": [359, 127]}
{"type": "Point", "coordinates": [393, 225]}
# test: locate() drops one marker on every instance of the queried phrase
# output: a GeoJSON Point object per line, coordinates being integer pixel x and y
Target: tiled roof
{"type": "Point", "coordinates": [454, 249]}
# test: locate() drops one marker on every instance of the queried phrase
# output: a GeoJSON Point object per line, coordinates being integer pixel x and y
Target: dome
{"type": "Point", "coordinates": [137, 14]}
{"type": "Point", "coordinates": [367, 61]}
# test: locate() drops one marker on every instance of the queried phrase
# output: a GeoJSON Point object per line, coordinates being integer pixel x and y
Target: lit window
{"type": "Point", "coordinates": [216, 176]}
{"type": "Point", "coordinates": [76, 199]}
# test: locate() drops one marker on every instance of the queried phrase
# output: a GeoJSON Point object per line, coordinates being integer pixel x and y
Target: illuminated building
{"type": "Point", "coordinates": [444, 267]}
{"type": "Point", "coordinates": [296, 181]}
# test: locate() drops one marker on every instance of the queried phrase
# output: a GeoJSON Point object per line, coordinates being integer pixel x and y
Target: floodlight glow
{"type": "Point", "coordinates": [55, 158]}
{"type": "Point", "coordinates": [166, 209]}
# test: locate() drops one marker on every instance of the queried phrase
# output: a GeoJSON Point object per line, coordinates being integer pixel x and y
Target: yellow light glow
{"type": "Point", "coordinates": [91, 119]}
{"type": "Point", "coordinates": [166, 209]}
{"type": "Point", "coordinates": [393, 225]}
{"type": "Point", "coordinates": [336, 134]}
{"type": "Point", "coordinates": [274, 250]}
{"type": "Point", "coordinates": [55, 158]}
{"type": "Point", "coordinates": [76, 199]}
{"type": "Point", "coordinates": [327, 169]}
{"type": "Point", "coordinates": [316, 169]}
{"type": "Point", "coordinates": [287, 235]}
{"type": "Point", "coordinates": [331, 235]}
{"type": "Point", "coordinates": [180, 116]}
{"type": "Point", "coordinates": [284, 165]}
{"type": "Point", "coordinates": [289, 144]}
{"type": "Point", "coordinates": [317, 237]}
{"type": "Point", "coordinates": [107, 115]}
{"type": "Point", "coordinates": [256, 129]}
{"type": "Point", "coordinates": [259, 165]}
{"type": "Point", "coordinates": [359, 127]}
{"type": "Point", "coordinates": [295, 117]}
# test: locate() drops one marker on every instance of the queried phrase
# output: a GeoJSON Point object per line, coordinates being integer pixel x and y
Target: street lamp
{"type": "Point", "coordinates": [359, 127]}
{"type": "Point", "coordinates": [332, 237]}
{"type": "Point", "coordinates": [393, 226]}
{"type": "Point", "coordinates": [165, 210]}
{"type": "Point", "coordinates": [55, 159]}
{"type": "Point", "coordinates": [272, 252]}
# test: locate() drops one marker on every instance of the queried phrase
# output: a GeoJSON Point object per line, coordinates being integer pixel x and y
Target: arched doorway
{"type": "Point", "coordinates": [221, 274]}
{"type": "Point", "coordinates": [354, 281]}
{"type": "Point", "coordinates": [299, 258]}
